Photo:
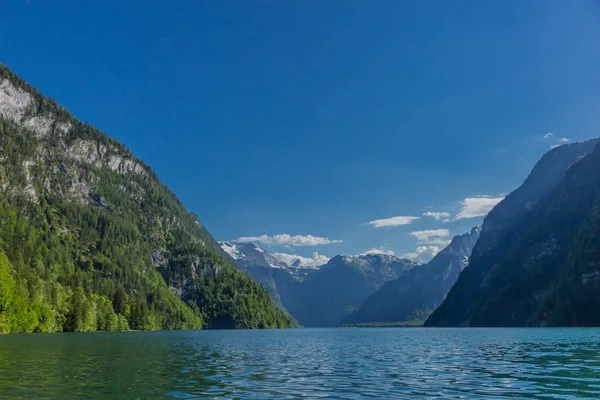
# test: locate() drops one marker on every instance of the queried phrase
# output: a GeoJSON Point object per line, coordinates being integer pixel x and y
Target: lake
{"type": "Point", "coordinates": [403, 363]}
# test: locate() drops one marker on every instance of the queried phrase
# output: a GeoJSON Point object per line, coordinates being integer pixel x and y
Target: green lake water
{"type": "Point", "coordinates": [381, 363]}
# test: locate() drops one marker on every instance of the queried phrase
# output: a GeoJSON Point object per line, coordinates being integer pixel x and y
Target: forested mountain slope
{"type": "Point", "coordinates": [91, 240]}
{"type": "Point", "coordinates": [537, 261]}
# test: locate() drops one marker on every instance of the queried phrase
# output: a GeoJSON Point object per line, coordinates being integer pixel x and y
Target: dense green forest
{"type": "Point", "coordinates": [91, 240]}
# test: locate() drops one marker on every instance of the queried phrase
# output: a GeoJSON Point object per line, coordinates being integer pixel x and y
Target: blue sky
{"type": "Point", "coordinates": [315, 118]}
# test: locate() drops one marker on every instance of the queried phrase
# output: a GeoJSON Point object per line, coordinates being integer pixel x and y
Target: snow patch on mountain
{"type": "Point", "coordinates": [231, 249]}
{"type": "Point", "coordinates": [249, 255]}
{"type": "Point", "coordinates": [296, 262]}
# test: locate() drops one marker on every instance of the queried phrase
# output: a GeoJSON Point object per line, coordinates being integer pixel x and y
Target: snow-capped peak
{"type": "Point", "coordinates": [231, 249]}
{"type": "Point", "coordinates": [249, 255]}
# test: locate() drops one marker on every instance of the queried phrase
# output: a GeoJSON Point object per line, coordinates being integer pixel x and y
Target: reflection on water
{"type": "Point", "coordinates": [334, 363]}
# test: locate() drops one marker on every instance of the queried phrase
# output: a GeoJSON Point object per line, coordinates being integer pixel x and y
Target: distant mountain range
{"type": "Point", "coordinates": [534, 262]}
{"type": "Point", "coordinates": [265, 268]}
{"type": "Point", "coordinates": [249, 255]}
{"type": "Point", "coordinates": [339, 287]}
{"type": "Point", "coordinates": [318, 296]}
{"type": "Point", "coordinates": [537, 260]}
{"type": "Point", "coordinates": [418, 292]}
{"type": "Point", "coordinates": [90, 239]}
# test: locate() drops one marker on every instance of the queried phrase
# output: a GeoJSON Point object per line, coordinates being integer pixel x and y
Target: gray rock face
{"type": "Point", "coordinates": [13, 102]}
{"type": "Point", "coordinates": [65, 157]}
{"type": "Point", "coordinates": [94, 153]}
{"type": "Point", "coordinates": [16, 105]}
{"type": "Point", "coordinates": [19, 107]}
{"type": "Point", "coordinates": [421, 290]}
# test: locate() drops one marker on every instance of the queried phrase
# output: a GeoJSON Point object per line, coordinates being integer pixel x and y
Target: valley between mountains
{"type": "Point", "coordinates": [91, 240]}
{"type": "Point", "coordinates": [535, 261]}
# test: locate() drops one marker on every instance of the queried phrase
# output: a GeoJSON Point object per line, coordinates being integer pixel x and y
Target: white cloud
{"type": "Point", "coordinates": [423, 254]}
{"type": "Point", "coordinates": [477, 206]}
{"type": "Point", "coordinates": [315, 261]}
{"type": "Point", "coordinates": [437, 215]}
{"type": "Point", "coordinates": [378, 251]}
{"type": "Point", "coordinates": [558, 140]}
{"type": "Point", "coordinates": [391, 222]}
{"type": "Point", "coordinates": [289, 240]}
{"type": "Point", "coordinates": [437, 242]}
{"type": "Point", "coordinates": [429, 236]}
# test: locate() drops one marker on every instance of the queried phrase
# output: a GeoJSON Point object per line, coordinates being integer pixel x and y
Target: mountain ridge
{"type": "Point", "coordinates": [415, 294]}
{"type": "Point", "coordinates": [323, 295]}
{"type": "Point", "coordinates": [515, 273]}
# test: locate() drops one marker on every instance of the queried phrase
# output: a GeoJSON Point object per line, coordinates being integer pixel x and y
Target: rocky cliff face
{"type": "Point", "coordinates": [536, 257]}
{"type": "Point", "coordinates": [415, 294]}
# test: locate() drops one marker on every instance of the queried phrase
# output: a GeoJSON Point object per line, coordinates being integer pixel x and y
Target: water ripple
{"type": "Point", "coordinates": [308, 363]}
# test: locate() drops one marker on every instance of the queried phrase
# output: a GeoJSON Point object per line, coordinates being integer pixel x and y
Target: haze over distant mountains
{"type": "Point", "coordinates": [417, 293]}
{"type": "Point", "coordinates": [323, 295]}
{"type": "Point", "coordinates": [535, 261]}
{"type": "Point", "coordinates": [333, 293]}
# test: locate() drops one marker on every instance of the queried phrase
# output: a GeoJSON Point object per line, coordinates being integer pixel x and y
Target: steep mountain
{"type": "Point", "coordinates": [261, 266]}
{"type": "Point", "coordinates": [418, 292]}
{"type": "Point", "coordinates": [327, 295]}
{"type": "Point", "coordinates": [91, 240]}
{"type": "Point", "coordinates": [536, 261]}
{"type": "Point", "coordinates": [248, 255]}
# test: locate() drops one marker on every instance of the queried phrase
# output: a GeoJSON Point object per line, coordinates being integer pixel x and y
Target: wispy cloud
{"type": "Point", "coordinates": [392, 221]}
{"type": "Point", "coordinates": [438, 237]}
{"type": "Point", "coordinates": [423, 254]}
{"type": "Point", "coordinates": [477, 206]}
{"type": "Point", "coordinates": [315, 261]}
{"type": "Point", "coordinates": [439, 216]}
{"type": "Point", "coordinates": [288, 240]}
{"type": "Point", "coordinates": [558, 140]}
{"type": "Point", "coordinates": [378, 251]}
